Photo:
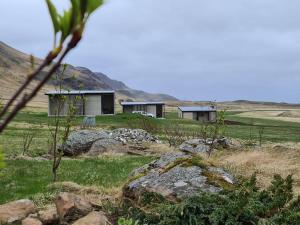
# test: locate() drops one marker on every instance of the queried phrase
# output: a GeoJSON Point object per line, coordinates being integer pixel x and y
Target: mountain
{"type": "Point", "coordinates": [15, 65]}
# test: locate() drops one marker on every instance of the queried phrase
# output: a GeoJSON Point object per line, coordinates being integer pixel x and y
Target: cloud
{"type": "Point", "coordinates": [193, 49]}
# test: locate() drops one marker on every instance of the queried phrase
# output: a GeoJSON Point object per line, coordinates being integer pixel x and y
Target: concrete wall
{"type": "Point", "coordinates": [188, 115]}
{"type": "Point", "coordinates": [151, 109]}
{"type": "Point", "coordinates": [213, 116]}
{"type": "Point", "coordinates": [93, 105]}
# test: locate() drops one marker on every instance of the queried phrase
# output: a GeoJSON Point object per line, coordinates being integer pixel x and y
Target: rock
{"type": "Point", "coordinates": [161, 163]}
{"type": "Point", "coordinates": [49, 216]}
{"type": "Point", "coordinates": [81, 141]}
{"type": "Point", "coordinates": [105, 145]}
{"type": "Point", "coordinates": [31, 221]}
{"type": "Point", "coordinates": [199, 148]}
{"type": "Point", "coordinates": [93, 218]}
{"type": "Point", "coordinates": [177, 183]}
{"type": "Point", "coordinates": [16, 211]}
{"type": "Point", "coordinates": [97, 142]}
{"type": "Point", "coordinates": [132, 135]}
{"type": "Point", "coordinates": [196, 146]}
{"type": "Point", "coordinates": [176, 176]}
{"type": "Point", "coordinates": [71, 207]}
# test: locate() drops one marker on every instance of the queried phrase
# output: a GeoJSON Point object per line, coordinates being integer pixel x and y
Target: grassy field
{"type": "Point", "coordinates": [238, 127]}
{"type": "Point", "coordinates": [22, 179]}
{"type": "Point", "coordinates": [27, 179]}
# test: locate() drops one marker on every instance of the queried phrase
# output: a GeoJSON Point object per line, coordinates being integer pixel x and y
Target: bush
{"type": "Point", "coordinates": [246, 205]}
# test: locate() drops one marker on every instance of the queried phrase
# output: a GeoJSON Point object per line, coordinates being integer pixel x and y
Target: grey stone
{"type": "Point", "coordinates": [177, 183]}
{"type": "Point", "coordinates": [171, 177]}
{"type": "Point", "coordinates": [81, 141]}
{"type": "Point", "coordinates": [105, 145]}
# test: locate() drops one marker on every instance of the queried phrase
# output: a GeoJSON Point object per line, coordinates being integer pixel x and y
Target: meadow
{"type": "Point", "coordinates": [28, 179]}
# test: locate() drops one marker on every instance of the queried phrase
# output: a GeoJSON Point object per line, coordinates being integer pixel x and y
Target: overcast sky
{"type": "Point", "coordinates": [192, 49]}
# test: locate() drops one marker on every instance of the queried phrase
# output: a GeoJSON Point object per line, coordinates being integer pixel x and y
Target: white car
{"type": "Point", "coordinates": [144, 113]}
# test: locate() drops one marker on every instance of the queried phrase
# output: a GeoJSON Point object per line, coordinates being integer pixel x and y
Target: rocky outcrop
{"type": "Point", "coordinates": [92, 218]}
{"type": "Point", "coordinates": [71, 207]}
{"type": "Point", "coordinates": [176, 176]}
{"type": "Point", "coordinates": [98, 142]}
{"type": "Point", "coordinates": [202, 146]}
{"type": "Point", "coordinates": [16, 211]}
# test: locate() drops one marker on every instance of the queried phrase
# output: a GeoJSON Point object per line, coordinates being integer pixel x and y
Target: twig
{"type": "Point", "coordinates": [26, 98]}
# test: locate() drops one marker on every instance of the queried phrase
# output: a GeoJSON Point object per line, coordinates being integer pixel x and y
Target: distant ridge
{"type": "Point", "coordinates": [15, 65]}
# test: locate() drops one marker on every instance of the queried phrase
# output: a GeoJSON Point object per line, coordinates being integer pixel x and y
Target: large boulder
{"type": "Point", "coordinates": [71, 207]}
{"type": "Point", "coordinates": [176, 176]}
{"type": "Point", "coordinates": [93, 218]}
{"type": "Point", "coordinates": [16, 211]}
{"type": "Point", "coordinates": [97, 142]}
{"type": "Point", "coordinates": [81, 141]}
{"type": "Point", "coordinates": [105, 145]}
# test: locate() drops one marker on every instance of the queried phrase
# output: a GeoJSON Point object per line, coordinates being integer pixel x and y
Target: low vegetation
{"type": "Point", "coordinates": [245, 205]}
{"type": "Point", "coordinates": [24, 178]}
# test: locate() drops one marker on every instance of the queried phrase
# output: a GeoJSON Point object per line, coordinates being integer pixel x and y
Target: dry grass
{"type": "Point", "coordinates": [266, 162]}
{"type": "Point", "coordinates": [282, 115]}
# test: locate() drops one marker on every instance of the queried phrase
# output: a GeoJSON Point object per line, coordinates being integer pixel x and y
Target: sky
{"type": "Point", "coordinates": [192, 49]}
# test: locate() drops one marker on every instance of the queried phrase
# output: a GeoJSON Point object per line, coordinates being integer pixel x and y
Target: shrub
{"type": "Point", "coordinates": [245, 205]}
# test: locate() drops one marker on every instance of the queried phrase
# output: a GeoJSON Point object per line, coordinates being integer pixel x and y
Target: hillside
{"type": "Point", "coordinates": [15, 65]}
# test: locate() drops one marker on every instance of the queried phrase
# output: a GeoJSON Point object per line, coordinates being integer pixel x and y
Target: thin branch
{"type": "Point", "coordinates": [30, 77]}
{"type": "Point", "coordinates": [27, 97]}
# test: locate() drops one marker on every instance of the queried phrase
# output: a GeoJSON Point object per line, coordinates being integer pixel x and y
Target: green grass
{"type": "Point", "coordinates": [247, 128]}
{"type": "Point", "coordinates": [26, 179]}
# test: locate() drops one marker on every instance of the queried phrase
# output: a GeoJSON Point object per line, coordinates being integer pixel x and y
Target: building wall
{"type": "Point", "coordinates": [151, 109]}
{"type": "Point", "coordinates": [213, 116]}
{"type": "Point", "coordinates": [93, 105]}
{"type": "Point", "coordinates": [188, 115]}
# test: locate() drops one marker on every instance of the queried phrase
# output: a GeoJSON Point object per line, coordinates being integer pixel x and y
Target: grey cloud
{"type": "Point", "coordinates": [193, 49]}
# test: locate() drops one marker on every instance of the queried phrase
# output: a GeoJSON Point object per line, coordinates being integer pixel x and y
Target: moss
{"type": "Point", "coordinates": [197, 161]}
{"type": "Point", "coordinates": [149, 198]}
{"type": "Point", "coordinates": [217, 180]}
{"type": "Point", "coordinates": [177, 162]}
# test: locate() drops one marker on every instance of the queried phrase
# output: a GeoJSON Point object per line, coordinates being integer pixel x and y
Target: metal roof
{"type": "Point", "coordinates": [197, 108]}
{"type": "Point", "coordinates": [79, 92]}
{"type": "Point", "coordinates": [142, 103]}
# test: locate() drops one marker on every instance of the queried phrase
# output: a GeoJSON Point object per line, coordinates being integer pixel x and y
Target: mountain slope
{"type": "Point", "coordinates": [15, 65]}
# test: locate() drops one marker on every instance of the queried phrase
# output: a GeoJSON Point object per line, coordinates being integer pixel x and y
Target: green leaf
{"type": "Point", "coordinates": [54, 16]}
{"type": "Point", "coordinates": [93, 5]}
{"type": "Point", "coordinates": [65, 24]}
{"type": "Point", "coordinates": [76, 14]}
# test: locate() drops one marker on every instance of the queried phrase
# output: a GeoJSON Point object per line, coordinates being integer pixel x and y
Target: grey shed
{"type": "Point", "coordinates": [199, 113]}
{"type": "Point", "coordinates": [87, 102]}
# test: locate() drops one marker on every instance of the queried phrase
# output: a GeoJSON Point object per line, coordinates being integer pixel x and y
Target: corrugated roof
{"type": "Point", "coordinates": [197, 108]}
{"type": "Point", "coordinates": [142, 103]}
{"type": "Point", "coordinates": [77, 92]}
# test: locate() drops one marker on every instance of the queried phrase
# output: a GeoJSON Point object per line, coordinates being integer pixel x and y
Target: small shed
{"type": "Point", "coordinates": [157, 109]}
{"type": "Point", "coordinates": [86, 102]}
{"type": "Point", "coordinates": [199, 113]}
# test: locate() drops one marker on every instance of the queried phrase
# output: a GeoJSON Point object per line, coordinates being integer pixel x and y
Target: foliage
{"type": "Point", "coordinates": [2, 164]}
{"type": "Point", "coordinates": [123, 221]}
{"type": "Point", "coordinates": [28, 135]}
{"type": "Point", "coordinates": [246, 205]}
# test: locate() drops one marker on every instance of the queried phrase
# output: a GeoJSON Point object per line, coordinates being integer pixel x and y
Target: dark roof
{"type": "Point", "coordinates": [197, 108]}
{"type": "Point", "coordinates": [142, 103]}
{"type": "Point", "coordinates": [78, 92]}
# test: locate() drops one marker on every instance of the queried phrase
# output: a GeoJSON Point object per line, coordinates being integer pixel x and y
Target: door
{"type": "Point", "coordinates": [93, 105]}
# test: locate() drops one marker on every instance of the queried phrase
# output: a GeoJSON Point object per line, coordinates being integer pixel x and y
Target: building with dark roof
{"type": "Point", "coordinates": [157, 109]}
{"type": "Point", "coordinates": [199, 113]}
{"type": "Point", "coordinates": [86, 102]}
